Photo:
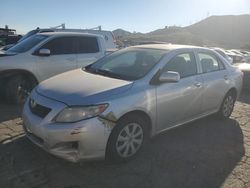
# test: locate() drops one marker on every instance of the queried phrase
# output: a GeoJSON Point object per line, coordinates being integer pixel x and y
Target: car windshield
{"type": "Point", "coordinates": [30, 33]}
{"type": "Point", "coordinates": [27, 44]}
{"type": "Point", "coordinates": [128, 64]}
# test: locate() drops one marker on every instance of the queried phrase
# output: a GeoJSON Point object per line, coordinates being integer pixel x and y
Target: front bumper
{"type": "Point", "coordinates": [84, 140]}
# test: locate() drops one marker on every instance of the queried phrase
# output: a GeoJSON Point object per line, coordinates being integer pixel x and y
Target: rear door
{"type": "Point", "coordinates": [181, 101]}
{"type": "Point", "coordinates": [89, 49]}
{"type": "Point", "coordinates": [215, 80]}
{"type": "Point", "coordinates": [62, 57]}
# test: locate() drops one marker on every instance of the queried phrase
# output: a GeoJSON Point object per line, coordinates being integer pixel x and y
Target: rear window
{"type": "Point", "coordinates": [87, 45]}
{"type": "Point", "coordinates": [210, 63]}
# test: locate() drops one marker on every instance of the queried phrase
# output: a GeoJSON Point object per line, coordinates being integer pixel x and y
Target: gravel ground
{"type": "Point", "coordinates": [207, 153]}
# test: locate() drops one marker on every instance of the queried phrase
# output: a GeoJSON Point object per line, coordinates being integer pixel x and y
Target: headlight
{"type": "Point", "coordinates": [77, 113]}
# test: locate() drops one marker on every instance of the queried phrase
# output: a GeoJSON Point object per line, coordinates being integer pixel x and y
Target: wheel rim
{"type": "Point", "coordinates": [23, 90]}
{"type": "Point", "coordinates": [228, 106]}
{"type": "Point", "coordinates": [129, 140]}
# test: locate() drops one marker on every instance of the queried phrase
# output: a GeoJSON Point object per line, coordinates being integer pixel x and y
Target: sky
{"type": "Point", "coordinates": [132, 15]}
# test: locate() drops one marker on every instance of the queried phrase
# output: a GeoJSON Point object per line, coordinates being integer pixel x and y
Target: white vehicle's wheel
{"type": "Point", "coordinates": [227, 105]}
{"type": "Point", "coordinates": [18, 88]}
{"type": "Point", "coordinates": [127, 138]}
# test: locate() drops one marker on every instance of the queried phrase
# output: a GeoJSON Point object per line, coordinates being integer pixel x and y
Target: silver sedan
{"type": "Point", "coordinates": [112, 107]}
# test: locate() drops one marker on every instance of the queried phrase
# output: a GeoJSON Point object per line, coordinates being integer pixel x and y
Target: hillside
{"type": "Point", "coordinates": [223, 31]}
{"type": "Point", "coordinates": [121, 33]}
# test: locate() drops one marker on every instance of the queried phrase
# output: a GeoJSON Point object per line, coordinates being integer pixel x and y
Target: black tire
{"type": "Point", "coordinates": [112, 153]}
{"type": "Point", "coordinates": [18, 88]}
{"type": "Point", "coordinates": [227, 105]}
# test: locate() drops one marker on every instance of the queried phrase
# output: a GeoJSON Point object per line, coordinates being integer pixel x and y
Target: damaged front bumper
{"type": "Point", "coordinates": [84, 140]}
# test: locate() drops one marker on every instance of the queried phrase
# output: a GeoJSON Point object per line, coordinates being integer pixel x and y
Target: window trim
{"type": "Point", "coordinates": [221, 62]}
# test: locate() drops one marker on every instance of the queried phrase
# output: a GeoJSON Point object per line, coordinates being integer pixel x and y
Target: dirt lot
{"type": "Point", "coordinates": [207, 153]}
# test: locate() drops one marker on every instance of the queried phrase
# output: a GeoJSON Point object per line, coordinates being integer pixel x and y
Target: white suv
{"type": "Point", "coordinates": [44, 55]}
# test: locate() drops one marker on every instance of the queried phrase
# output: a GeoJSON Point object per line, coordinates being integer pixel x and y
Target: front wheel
{"type": "Point", "coordinates": [127, 138]}
{"type": "Point", "coordinates": [227, 105]}
{"type": "Point", "coordinates": [18, 88]}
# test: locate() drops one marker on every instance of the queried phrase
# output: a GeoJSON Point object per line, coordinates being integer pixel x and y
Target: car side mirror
{"type": "Point", "coordinates": [44, 52]}
{"type": "Point", "coordinates": [169, 77]}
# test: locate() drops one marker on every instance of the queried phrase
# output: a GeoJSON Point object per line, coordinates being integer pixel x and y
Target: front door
{"type": "Point", "coordinates": [62, 57]}
{"type": "Point", "coordinates": [181, 101]}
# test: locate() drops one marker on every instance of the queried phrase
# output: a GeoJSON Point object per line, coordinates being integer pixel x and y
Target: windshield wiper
{"type": "Point", "coordinates": [107, 73]}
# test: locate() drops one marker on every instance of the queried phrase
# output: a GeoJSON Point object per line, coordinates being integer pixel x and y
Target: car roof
{"type": "Point", "coordinates": [67, 34]}
{"type": "Point", "coordinates": [169, 46]}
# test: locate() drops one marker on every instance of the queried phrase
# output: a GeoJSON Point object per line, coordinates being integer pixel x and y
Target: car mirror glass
{"type": "Point", "coordinates": [44, 52]}
{"type": "Point", "coordinates": [169, 77]}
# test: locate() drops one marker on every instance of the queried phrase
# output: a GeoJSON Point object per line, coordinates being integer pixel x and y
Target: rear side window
{"type": "Point", "coordinates": [209, 63]}
{"type": "Point", "coordinates": [62, 45]}
{"type": "Point", "coordinates": [87, 45]}
{"type": "Point", "coordinates": [184, 64]}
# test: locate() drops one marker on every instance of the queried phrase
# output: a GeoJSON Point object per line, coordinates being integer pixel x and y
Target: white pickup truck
{"type": "Point", "coordinates": [42, 56]}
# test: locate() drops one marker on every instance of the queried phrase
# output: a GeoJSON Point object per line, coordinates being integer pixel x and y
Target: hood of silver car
{"type": "Point", "coordinates": [78, 87]}
{"type": "Point", "coordinates": [5, 53]}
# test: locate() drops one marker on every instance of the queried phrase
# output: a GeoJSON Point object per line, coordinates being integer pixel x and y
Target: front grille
{"type": "Point", "coordinates": [37, 109]}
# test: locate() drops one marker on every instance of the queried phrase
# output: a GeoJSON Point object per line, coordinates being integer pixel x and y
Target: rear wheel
{"type": "Point", "coordinates": [127, 138]}
{"type": "Point", "coordinates": [18, 88]}
{"type": "Point", "coordinates": [227, 105]}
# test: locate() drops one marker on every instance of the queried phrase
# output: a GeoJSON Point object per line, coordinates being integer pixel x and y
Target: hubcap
{"type": "Point", "coordinates": [129, 140]}
{"type": "Point", "coordinates": [23, 90]}
{"type": "Point", "coordinates": [228, 106]}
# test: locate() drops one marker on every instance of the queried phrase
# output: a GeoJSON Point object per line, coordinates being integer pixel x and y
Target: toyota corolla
{"type": "Point", "coordinates": [112, 107]}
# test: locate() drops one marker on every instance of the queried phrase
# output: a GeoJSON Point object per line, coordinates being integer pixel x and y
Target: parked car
{"type": "Point", "coordinates": [237, 52]}
{"type": "Point", "coordinates": [246, 59]}
{"type": "Point", "coordinates": [245, 68]}
{"type": "Point", "coordinates": [109, 38]}
{"type": "Point", "coordinates": [111, 108]}
{"type": "Point", "coordinates": [223, 54]}
{"type": "Point", "coordinates": [236, 57]}
{"type": "Point", "coordinates": [245, 53]}
{"type": "Point", "coordinates": [42, 56]}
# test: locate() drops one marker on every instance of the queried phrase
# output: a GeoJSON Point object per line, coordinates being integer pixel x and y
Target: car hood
{"type": "Point", "coordinates": [78, 87]}
{"type": "Point", "coordinates": [243, 66]}
{"type": "Point", "coordinates": [6, 53]}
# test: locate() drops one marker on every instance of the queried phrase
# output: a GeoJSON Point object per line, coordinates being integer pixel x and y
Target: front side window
{"type": "Point", "coordinates": [184, 64]}
{"type": "Point", "coordinates": [209, 63]}
{"type": "Point", "coordinates": [27, 43]}
{"type": "Point", "coordinates": [127, 64]}
{"type": "Point", "coordinates": [61, 45]}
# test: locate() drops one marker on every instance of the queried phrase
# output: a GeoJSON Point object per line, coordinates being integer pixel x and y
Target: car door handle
{"type": "Point", "coordinates": [197, 84]}
{"type": "Point", "coordinates": [225, 77]}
